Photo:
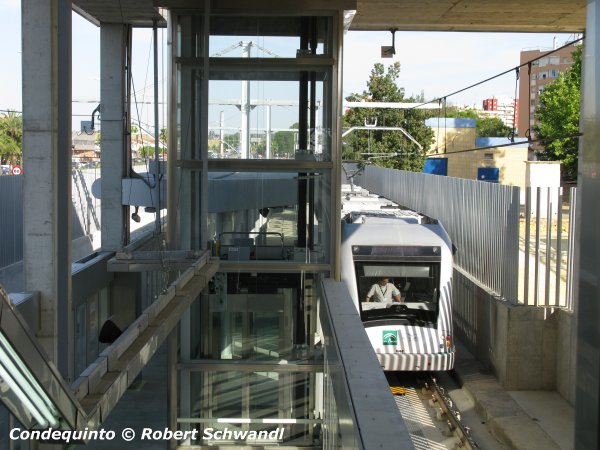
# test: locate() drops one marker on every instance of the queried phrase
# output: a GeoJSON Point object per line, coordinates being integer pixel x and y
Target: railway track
{"type": "Point", "coordinates": [431, 416]}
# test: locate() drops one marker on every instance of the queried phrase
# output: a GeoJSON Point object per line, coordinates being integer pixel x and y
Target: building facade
{"type": "Point", "coordinates": [477, 158]}
{"type": "Point", "coordinates": [534, 77]}
{"type": "Point", "coordinates": [506, 109]}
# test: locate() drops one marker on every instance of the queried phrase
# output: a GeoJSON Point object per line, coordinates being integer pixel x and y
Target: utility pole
{"type": "Point", "coordinates": [245, 108]}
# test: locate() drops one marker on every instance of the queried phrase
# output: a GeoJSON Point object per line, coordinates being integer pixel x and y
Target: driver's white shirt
{"type": "Point", "coordinates": [380, 293]}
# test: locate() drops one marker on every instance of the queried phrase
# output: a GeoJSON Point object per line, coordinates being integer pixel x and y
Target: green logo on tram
{"type": "Point", "coordinates": [390, 337]}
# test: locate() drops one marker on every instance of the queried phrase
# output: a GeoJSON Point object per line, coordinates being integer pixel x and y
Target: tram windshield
{"type": "Point", "coordinates": [407, 292]}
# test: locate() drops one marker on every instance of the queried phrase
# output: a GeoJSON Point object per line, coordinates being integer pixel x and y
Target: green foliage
{"type": "Point", "coordinates": [558, 115]}
{"type": "Point", "coordinates": [11, 137]}
{"type": "Point", "coordinates": [146, 151]}
{"type": "Point", "coordinates": [492, 127]}
{"type": "Point", "coordinates": [283, 144]}
{"type": "Point", "coordinates": [486, 126]}
{"type": "Point", "coordinates": [375, 144]}
{"type": "Point", "coordinates": [453, 111]}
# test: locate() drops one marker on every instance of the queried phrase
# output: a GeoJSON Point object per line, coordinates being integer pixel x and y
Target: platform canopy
{"type": "Point", "coordinates": [418, 15]}
{"type": "Point", "coordinates": [471, 15]}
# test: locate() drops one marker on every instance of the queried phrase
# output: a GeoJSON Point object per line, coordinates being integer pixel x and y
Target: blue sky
{"type": "Point", "coordinates": [433, 62]}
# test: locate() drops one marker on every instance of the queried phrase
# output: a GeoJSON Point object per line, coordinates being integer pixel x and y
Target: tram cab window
{"type": "Point", "coordinates": [418, 283]}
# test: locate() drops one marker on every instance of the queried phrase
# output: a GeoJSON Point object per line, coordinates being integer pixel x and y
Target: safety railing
{"type": "Point", "coordinates": [546, 240]}
{"type": "Point", "coordinates": [359, 409]}
{"type": "Point", "coordinates": [244, 247]}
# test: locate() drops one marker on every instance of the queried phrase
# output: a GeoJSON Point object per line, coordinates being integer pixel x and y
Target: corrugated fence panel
{"type": "Point", "coordinates": [11, 219]}
{"type": "Point", "coordinates": [85, 212]}
{"type": "Point", "coordinates": [482, 219]}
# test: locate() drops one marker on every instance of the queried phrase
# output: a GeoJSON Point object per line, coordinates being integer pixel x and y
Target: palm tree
{"type": "Point", "coordinates": [11, 136]}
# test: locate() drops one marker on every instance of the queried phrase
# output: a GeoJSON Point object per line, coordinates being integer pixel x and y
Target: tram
{"type": "Point", "coordinates": [397, 265]}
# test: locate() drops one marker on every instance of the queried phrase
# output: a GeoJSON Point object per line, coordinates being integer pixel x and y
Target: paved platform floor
{"type": "Point", "coordinates": [551, 412]}
{"type": "Point", "coordinates": [523, 420]}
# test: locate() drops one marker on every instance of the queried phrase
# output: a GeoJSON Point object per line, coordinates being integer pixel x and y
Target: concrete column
{"type": "Point", "coordinates": [46, 34]}
{"type": "Point", "coordinates": [113, 45]}
{"type": "Point", "coordinates": [587, 307]}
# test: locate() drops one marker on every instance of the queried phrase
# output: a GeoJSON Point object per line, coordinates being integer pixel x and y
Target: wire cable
{"type": "Point", "coordinates": [499, 75]}
{"type": "Point", "coordinates": [514, 130]}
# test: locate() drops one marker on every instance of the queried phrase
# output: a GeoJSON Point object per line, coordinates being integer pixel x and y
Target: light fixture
{"type": "Point", "coordinates": [25, 387]}
{"type": "Point", "coordinates": [388, 51]}
{"type": "Point", "coordinates": [135, 216]}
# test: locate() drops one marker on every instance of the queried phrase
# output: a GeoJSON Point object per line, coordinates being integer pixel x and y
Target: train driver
{"type": "Point", "coordinates": [383, 291]}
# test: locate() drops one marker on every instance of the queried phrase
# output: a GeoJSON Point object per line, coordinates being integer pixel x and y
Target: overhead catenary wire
{"type": "Point", "coordinates": [526, 63]}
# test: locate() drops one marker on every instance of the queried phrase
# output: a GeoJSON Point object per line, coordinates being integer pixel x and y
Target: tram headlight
{"type": "Point", "coordinates": [448, 343]}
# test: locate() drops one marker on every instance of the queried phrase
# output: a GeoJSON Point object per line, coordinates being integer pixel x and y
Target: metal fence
{"type": "Point", "coordinates": [85, 212]}
{"type": "Point", "coordinates": [482, 219]}
{"type": "Point", "coordinates": [11, 219]}
{"type": "Point", "coordinates": [547, 243]}
{"type": "Point", "coordinates": [522, 253]}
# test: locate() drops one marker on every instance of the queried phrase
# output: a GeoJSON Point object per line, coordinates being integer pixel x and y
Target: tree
{"type": "Point", "coordinates": [558, 115]}
{"type": "Point", "coordinates": [11, 137]}
{"type": "Point", "coordinates": [146, 151]}
{"type": "Point", "coordinates": [486, 126]}
{"type": "Point", "coordinates": [283, 144]}
{"type": "Point", "coordinates": [492, 127]}
{"type": "Point", "coordinates": [376, 144]}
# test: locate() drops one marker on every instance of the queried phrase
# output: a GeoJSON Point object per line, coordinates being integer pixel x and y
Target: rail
{"type": "Point", "coordinates": [447, 411]}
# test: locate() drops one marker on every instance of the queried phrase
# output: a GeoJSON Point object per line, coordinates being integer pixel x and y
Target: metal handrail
{"type": "Point", "coordinates": [275, 233]}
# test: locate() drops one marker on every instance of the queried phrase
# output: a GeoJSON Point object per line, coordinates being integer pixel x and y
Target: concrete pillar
{"type": "Point", "coordinates": [113, 45]}
{"type": "Point", "coordinates": [46, 34]}
{"type": "Point", "coordinates": [587, 307]}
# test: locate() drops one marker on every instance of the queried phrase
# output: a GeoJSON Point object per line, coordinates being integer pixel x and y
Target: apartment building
{"type": "Point", "coordinates": [506, 109]}
{"type": "Point", "coordinates": [534, 78]}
